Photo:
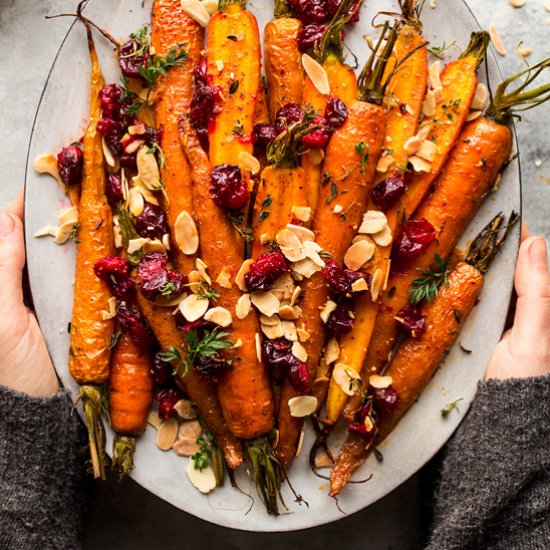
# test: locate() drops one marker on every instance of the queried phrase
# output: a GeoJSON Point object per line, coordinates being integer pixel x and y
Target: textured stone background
{"type": "Point", "coordinates": [128, 517]}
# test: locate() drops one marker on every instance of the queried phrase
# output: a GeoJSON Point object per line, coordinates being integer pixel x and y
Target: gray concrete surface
{"type": "Point", "coordinates": [127, 517]}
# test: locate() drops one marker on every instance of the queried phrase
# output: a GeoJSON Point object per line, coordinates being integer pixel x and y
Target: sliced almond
{"type": "Point", "coordinates": [265, 302]}
{"type": "Point", "coordinates": [244, 304]}
{"type": "Point", "coordinates": [427, 150]}
{"type": "Point", "coordinates": [204, 480]}
{"type": "Point", "coordinates": [300, 444]}
{"type": "Point", "coordinates": [249, 162]}
{"type": "Point", "coordinates": [380, 382]}
{"type": "Point", "coordinates": [384, 164]}
{"type": "Point", "coordinates": [108, 154]}
{"type": "Point", "coordinates": [191, 429]}
{"type": "Point", "coordinates": [289, 331]}
{"type": "Point", "coordinates": [238, 344]}
{"type": "Point", "coordinates": [346, 378]}
{"type": "Point", "coordinates": [497, 40]}
{"type": "Point", "coordinates": [47, 164]}
{"type": "Point", "coordinates": [517, 3]}
{"type": "Point", "coordinates": [166, 434]}
{"type": "Point", "coordinates": [480, 97]}
{"type": "Point", "coordinates": [434, 75]}
{"type": "Point", "coordinates": [186, 233]}
{"type": "Point", "coordinates": [326, 310]}
{"type": "Point", "coordinates": [358, 254]}
{"type": "Point", "coordinates": [211, 6]}
{"type": "Point", "coordinates": [197, 11]}
{"type": "Point", "coordinates": [135, 201]}
{"type": "Point", "coordinates": [269, 321]}
{"type": "Point", "coordinates": [376, 285]}
{"type": "Point", "coordinates": [373, 222]}
{"type": "Point", "coordinates": [525, 52]}
{"type": "Point", "coordinates": [48, 230]}
{"type": "Point", "coordinates": [69, 215]}
{"type": "Point", "coordinates": [135, 244]}
{"type": "Point", "coordinates": [307, 268]}
{"type": "Point", "coordinates": [303, 335]}
{"type": "Point", "coordinates": [133, 146]}
{"type": "Point", "coordinates": [472, 115]}
{"type": "Point", "coordinates": [311, 250]}
{"type": "Point", "coordinates": [316, 156]}
{"type": "Point", "coordinates": [360, 285]}
{"type": "Point", "coordinates": [193, 307]}
{"type": "Point", "coordinates": [154, 419]}
{"type": "Point", "coordinates": [332, 351]}
{"type": "Point", "coordinates": [258, 342]}
{"type": "Point", "coordinates": [302, 406]}
{"type": "Point", "coordinates": [412, 145]}
{"type": "Point", "coordinates": [288, 313]}
{"type": "Point", "coordinates": [224, 278]}
{"type": "Point", "coordinates": [384, 237]}
{"type": "Point", "coordinates": [186, 447]}
{"type": "Point", "coordinates": [185, 409]}
{"type": "Point", "coordinates": [153, 245]}
{"type": "Point", "coordinates": [322, 460]}
{"type": "Point", "coordinates": [111, 312]}
{"type": "Point", "coordinates": [195, 281]}
{"type": "Point", "coordinates": [275, 331]}
{"type": "Point", "coordinates": [303, 233]}
{"type": "Point", "coordinates": [117, 232]}
{"type": "Point", "coordinates": [424, 130]}
{"type": "Point", "coordinates": [64, 232]}
{"type": "Point", "coordinates": [239, 278]}
{"type": "Point", "coordinates": [201, 268]}
{"type": "Point", "coordinates": [148, 169]}
{"type": "Point", "coordinates": [420, 165]}
{"type": "Point", "coordinates": [284, 283]}
{"type": "Point", "coordinates": [428, 106]}
{"type": "Point", "coordinates": [295, 295]}
{"type": "Point", "coordinates": [290, 245]}
{"type": "Point", "coordinates": [337, 208]}
{"type": "Point", "coordinates": [316, 73]}
{"type": "Point", "coordinates": [147, 194]}
{"type": "Point", "coordinates": [302, 213]}
{"type": "Point", "coordinates": [219, 316]}
{"type": "Point", "coordinates": [299, 351]}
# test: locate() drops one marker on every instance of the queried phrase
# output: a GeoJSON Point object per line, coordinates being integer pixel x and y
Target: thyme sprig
{"type": "Point", "coordinates": [426, 288]}
{"type": "Point", "coordinates": [201, 459]}
{"type": "Point", "coordinates": [446, 410]}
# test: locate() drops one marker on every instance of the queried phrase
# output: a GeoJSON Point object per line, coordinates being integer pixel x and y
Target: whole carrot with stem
{"type": "Point", "coordinates": [417, 358]}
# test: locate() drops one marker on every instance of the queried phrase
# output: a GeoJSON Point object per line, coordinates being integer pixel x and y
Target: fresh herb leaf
{"type": "Point", "coordinates": [391, 292]}
{"type": "Point", "coordinates": [426, 288]}
{"type": "Point", "coordinates": [363, 150]}
{"type": "Point", "coordinates": [267, 201]}
{"type": "Point", "coordinates": [458, 316]}
{"type": "Point", "coordinates": [73, 233]}
{"type": "Point", "coordinates": [155, 148]}
{"type": "Point", "coordinates": [208, 292]}
{"type": "Point", "coordinates": [325, 254]}
{"type": "Point", "coordinates": [167, 289]}
{"type": "Point", "coordinates": [333, 193]}
{"type": "Point", "coordinates": [158, 65]}
{"type": "Point", "coordinates": [379, 456]}
{"type": "Point", "coordinates": [232, 37]}
{"type": "Point", "coordinates": [234, 86]}
{"type": "Point", "coordinates": [263, 215]}
{"type": "Point", "coordinates": [247, 233]}
{"type": "Point", "coordinates": [438, 50]}
{"type": "Point", "coordinates": [238, 129]}
{"type": "Point", "coordinates": [201, 459]}
{"type": "Point", "coordinates": [446, 410]}
{"type": "Point", "coordinates": [114, 339]}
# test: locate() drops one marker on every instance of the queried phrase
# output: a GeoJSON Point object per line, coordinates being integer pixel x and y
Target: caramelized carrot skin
{"type": "Point", "coordinates": [172, 26]}
{"type": "Point", "coordinates": [130, 387]}
{"type": "Point", "coordinates": [415, 363]}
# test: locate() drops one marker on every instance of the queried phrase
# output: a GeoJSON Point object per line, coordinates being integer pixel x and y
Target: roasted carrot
{"type": "Point", "coordinates": [284, 73]}
{"type": "Point", "coordinates": [90, 347]}
{"type": "Point", "coordinates": [408, 73]}
{"type": "Point", "coordinates": [351, 157]}
{"type": "Point", "coordinates": [459, 83]}
{"type": "Point", "coordinates": [130, 397]}
{"type": "Point", "coordinates": [417, 358]}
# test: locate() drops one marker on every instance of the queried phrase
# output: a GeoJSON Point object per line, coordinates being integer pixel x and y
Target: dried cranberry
{"type": "Point", "coordinates": [151, 222]}
{"type": "Point", "coordinates": [413, 319]}
{"type": "Point", "coordinates": [151, 265]}
{"type": "Point", "coordinates": [386, 400]}
{"type": "Point", "coordinates": [169, 393]}
{"type": "Point", "coordinates": [133, 323]}
{"type": "Point", "coordinates": [311, 11]}
{"type": "Point", "coordinates": [133, 54]}
{"type": "Point", "coordinates": [122, 287]}
{"type": "Point", "coordinates": [309, 35]}
{"type": "Point", "coordinates": [319, 137]}
{"type": "Point", "coordinates": [339, 280]}
{"type": "Point", "coordinates": [153, 135]}
{"type": "Point", "coordinates": [111, 265]}
{"type": "Point", "coordinates": [388, 192]}
{"type": "Point", "coordinates": [339, 321]}
{"type": "Point", "coordinates": [227, 188]}
{"type": "Point", "coordinates": [161, 370]}
{"type": "Point", "coordinates": [263, 272]}
{"type": "Point", "coordinates": [417, 236]}
{"type": "Point", "coordinates": [288, 114]}
{"type": "Point", "coordinates": [111, 130]}
{"type": "Point", "coordinates": [129, 161]}
{"type": "Point", "coordinates": [166, 410]}
{"type": "Point", "coordinates": [365, 422]}
{"type": "Point", "coordinates": [278, 355]}
{"type": "Point", "coordinates": [176, 282]}
{"type": "Point", "coordinates": [298, 376]}
{"type": "Point", "coordinates": [214, 366]}
{"type": "Point", "coordinates": [336, 112]}
{"type": "Point", "coordinates": [70, 161]}
{"type": "Point", "coordinates": [264, 134]}
{"type": "Point", "coordinates": [109, 96]}
{"type": "Point", "coordinates": [113, 189]}
{"type": "Point", "coordinates": [156, 280]}
{"type": "Point", "coordinates": [333, 6]}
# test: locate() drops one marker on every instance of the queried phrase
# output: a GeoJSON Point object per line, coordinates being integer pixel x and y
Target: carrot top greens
{"type": "Point", "coordinates": [479, 41]}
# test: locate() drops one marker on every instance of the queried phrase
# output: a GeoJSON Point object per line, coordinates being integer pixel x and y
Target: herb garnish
{"type": "Point", "coordinates": [363, 150]}
{"type": "Point", "coordinates": [267, 201]}
{"type": "Point", "coordinates": [201, 459]}
{"type": "Point", "coordinates": [263, 215]}
{"type": "Point", "coordinates": [438, 50]}
{"type": "Point", "coordinates": [155, 148]}
{"type": "Point", "coordinates": [333, 193]}
{"type": "Point", "coordinates": [445, 411]}
{"type": "Point", "coordinates": [234, 86]}
{"type": "Point", "coordinates": [73, 233]}
{"type": "Point", "coordinates": [167, 289]}
{"type": "Point", "coordinates": [426, 288]}
{"type": "Point", "coordinates": [238, 129]}
{"type": "Point", "coordinates": [247, 233]}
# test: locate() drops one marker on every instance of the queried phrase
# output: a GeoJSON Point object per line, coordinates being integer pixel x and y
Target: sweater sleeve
{"type": "Point", "coordinates": [494, 491]}
{"type": "Point", "coordinates": [41, 496]}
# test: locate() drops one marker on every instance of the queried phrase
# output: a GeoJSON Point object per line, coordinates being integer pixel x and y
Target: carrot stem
{"type": "Point", "coordinates": [123, 455]}
{"type": "Point", "coordinates": [477, 47]}
{"type": "Point", "coordinates": [91, 397]}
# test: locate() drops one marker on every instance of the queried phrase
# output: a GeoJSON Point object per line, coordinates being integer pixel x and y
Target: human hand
{"type": "Point", "coordinates": [525, 349]}
{"type": "Point", "coordinates": [25, 364]}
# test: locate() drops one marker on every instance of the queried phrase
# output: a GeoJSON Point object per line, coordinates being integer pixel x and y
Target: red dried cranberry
{"type": "Point", "coordinates": [166, 410]}
{"type": "Point", "coordinates": [388, 192]}
{"type": "Point", "coordinates": [129, 161]}
{"type": "Point", "coordinates": [288, 114]}
{"type": "Point", "coordinates": [70, 161]}
{"type": "Point", "coordinates": [227, 188]}
{"type": "Point", "coordinates": [122, 287]}
{"type": "Point", "coordinates": [319, 137]}
{"type": "Point", "coordinates": [413, 319]}
{"type": "Point", "coordinates": [200, 326]}
{"type": "Point", "coordinates": [111, 265]}
{"type": "Point", "coordinates": [333, 6]}
{"type": "Point", "coordinates": [276, 352]}
{"type": "Point", "coordinates": [263, 272]}
{"type": "Point", "coordinates": [417, 236]}
{"type": "Point", "coordinates": [311, 11]}
{"type": "Point", "coordinates": [339, 280]}
{"type": "Point", "coordinates": [151, 222]}
{"type": "Point", "coordinates": [151, 265]}
{"type": "Point", "coordinates": [339, 321]}
{"type": "Point", "coordinates": [176, 282]}
{"type": "Point", "coordinates": [109, 96]}
{"type": "Point", "coordinates": [264, 134]}
{"type": "Point", "coordinates": [309, 35]}
{"type": "Point", "coordinates": [133, 54]}
{"type": "Point", "coordinates": [386, 400]}
{"type": "Point", "coordinates": [156, 280]}
{"type": "Point", "coordinates": [366, 429]}
{"type": "Point", "coordinates": [214, 367]}
{"type": "Point", "coordinates": [113, 189]}
{"type": "Point", "coordinates": [111, 130]}
{"type": "Point", "coordinates": [336, 112]}
{"type": "Point", "coordinates": [133, 323]}
{"type": "Point", "coordinates": [169, 393]}
{"type": "Point", "coordinates": [298, 376]}
{"type": "Point", "coordinates": [161, 370]}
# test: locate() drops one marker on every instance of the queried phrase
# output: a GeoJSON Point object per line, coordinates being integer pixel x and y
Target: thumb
{"type": "Point", "coordinates": [12, 260]}
{"type": "Point", "coordinates": [532, 281]}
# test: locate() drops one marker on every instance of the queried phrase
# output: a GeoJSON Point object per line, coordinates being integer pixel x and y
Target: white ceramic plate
{"type": "Point", "coordinates": [61, 118]}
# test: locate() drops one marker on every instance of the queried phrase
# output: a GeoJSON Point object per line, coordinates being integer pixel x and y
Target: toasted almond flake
{"type": "Point", "coordinates": [133, 146]}
{"type": "Point", "coordinates": [47, 164]}
{"type": "Point", "coordinates": [145, 192]}
{"type": "Point", "coordinates": [117, 233]}
{"type": "Point", "coordinates": [525, 52]}
{"type": "Point", "coordinates": [303, 335]}
{"type": "Point", "coordinates": [64, 232]}
{"type": "Point", "coordinates": [219, 65]}
{"type": "Point", "coordinates": [332, 351]}
{"type": "Point", "coordinates": [186, 446]}
{"type": "Point", "coordinates": [108, 156]}
{"type": "Point", "coordinates": [480, 97]}
{"type": "Point", "coordinates": [424, 130]}
{"type": "Point", "coordinates": [166, 434]}
{"type": "Point", "coordinates": [427, 150]}
{"type": "Point", "coordinates": [201, 268]}
{"type": "Point", "coordinates": [384, 237]}
{"type": "Point", "coordinates": [302, 405]}
{"type": "Point", "coordinates": [337, 209]}
{"type": "Point", "coordinates": [69, 215]}
{"type": "Point", "coordinates": [211, 6]}
{"type": "Point", "coordinates": [186, 233]}
{"type": "Point", "coordinates": [420, 165]}
{"type": "Point", "coordinates": [249, 162]}
{"type": "Point", "coordinates": [290, 245]}
{"type": "Point", "coordinates": [497, 40]}
{"type": "Point", "coordinates": [204, 480]}
{"type": "Point", "coordinates": [153, 245]}
{"type": "Point", "coordinates": [148, 169]}
{"type": "Point", "coordinates": [299, 351]}
{"type": "Point", "coordinates": [412, 145]}
{"type": "Point", "coordinates": [193, 307]}
{"type": "Point", "coordinates": [111, 312]}
{"type": "Point", "coordinates": [433, 4]}
{"type": "Point", "coordinates": [135, 244]}
{"type": "Point", "coordinates": [269, 321]}
{"type": "Point", "coordinates": [306, 268]}
{"type": "Point", "coordinates": [316, 73]}
{"type": "Point", "coordinates": [316, 156]}
{"type": "Point", "coordinates": [285, 283]}
{"type": "Point", "coordinates": [224, 278]}
{"type": "Point", "coordinates": [472, 115]}
{"type": "Point", "coordinates": [289, 331]}
{"type": "Point", "coordinates": [302, 213]}
{"type": "Point", "coordinates": [322, 460]}
{"type": "Point", "coordinates": [195, 281]}
{"type": "Point", "coordinates": [265, 302]}
{"type": "Point", "coordinates": [238, 344]}
{"type": "Point", "coordinates": [258, 342]}
{"type": "Point", "coordinates": [288, 313]}
{"type": "Point", "coordinates": [373, 222]}
{"type": "Point", "coordinates": [326, 310]}
{"type": "Point", "coordinates": [385, 163]}
{"type": "Point", "coordinates": [438, 94]}
{"type": "Point", "coordinates": [376, 285]}
{"type": "Point", "coordinates": [303, 233]}
{"type": "Point", "coordinates": [358, 254]}
{"type": "Point", "coordinates": [273, 332]}
{"type": "Point", "coordinates": [300, 444]}
{"type": "Point", "coordinates": [154, 420]}
{"type": "Point", "coordinates": [428, 106]}
{"type": "Point", "coordinates": [185, 409]}
{"type": "Point", "coordinates": [295, 295]}
{"type": "Point", "coordinates": [311, 250]}
{"type": "Point", "coordinates": [360, 285]}
{"type": "Point", "coordinates": [298, 311]}
{"type": "Point", "coordinates": [239, 278]}
{"type": "Point", "coordinates": [517, 3]}
{"type": "Point", "coordinates": [219, 316]}
{"type": "Point", "coordinates": [275, 441]}
{"type": "Point", "coordinates": [48, 230]}
{"type": "Point", "coordinates": [433, 75]}
{"type": "Point", "coordinates": [197, 11]}
{"type": "Point", "coordinates": [386, 278]}
{"type": "Point", "coordinates": [346, 378]}
{"type": "Point", "coordinates": [380, 382]}
{"type": "Point", "coordinates": [135, 201]}
{"type": "Point", "coordinates": [497, 182]}
{"type": "Point", "coordinates": [191, 429]}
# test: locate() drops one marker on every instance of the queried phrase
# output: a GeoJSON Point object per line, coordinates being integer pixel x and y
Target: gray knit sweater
{"type": "Point", "coordinates": [494, 491]}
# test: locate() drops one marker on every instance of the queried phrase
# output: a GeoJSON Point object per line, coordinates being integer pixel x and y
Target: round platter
{"type": "Point", "coordinates": [62, 117]}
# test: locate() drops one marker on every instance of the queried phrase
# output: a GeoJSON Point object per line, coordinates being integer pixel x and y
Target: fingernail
{"type": "Point", "coordinates": [538, 254]}
{"type": "Point", "coordinates": [6, 224]}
